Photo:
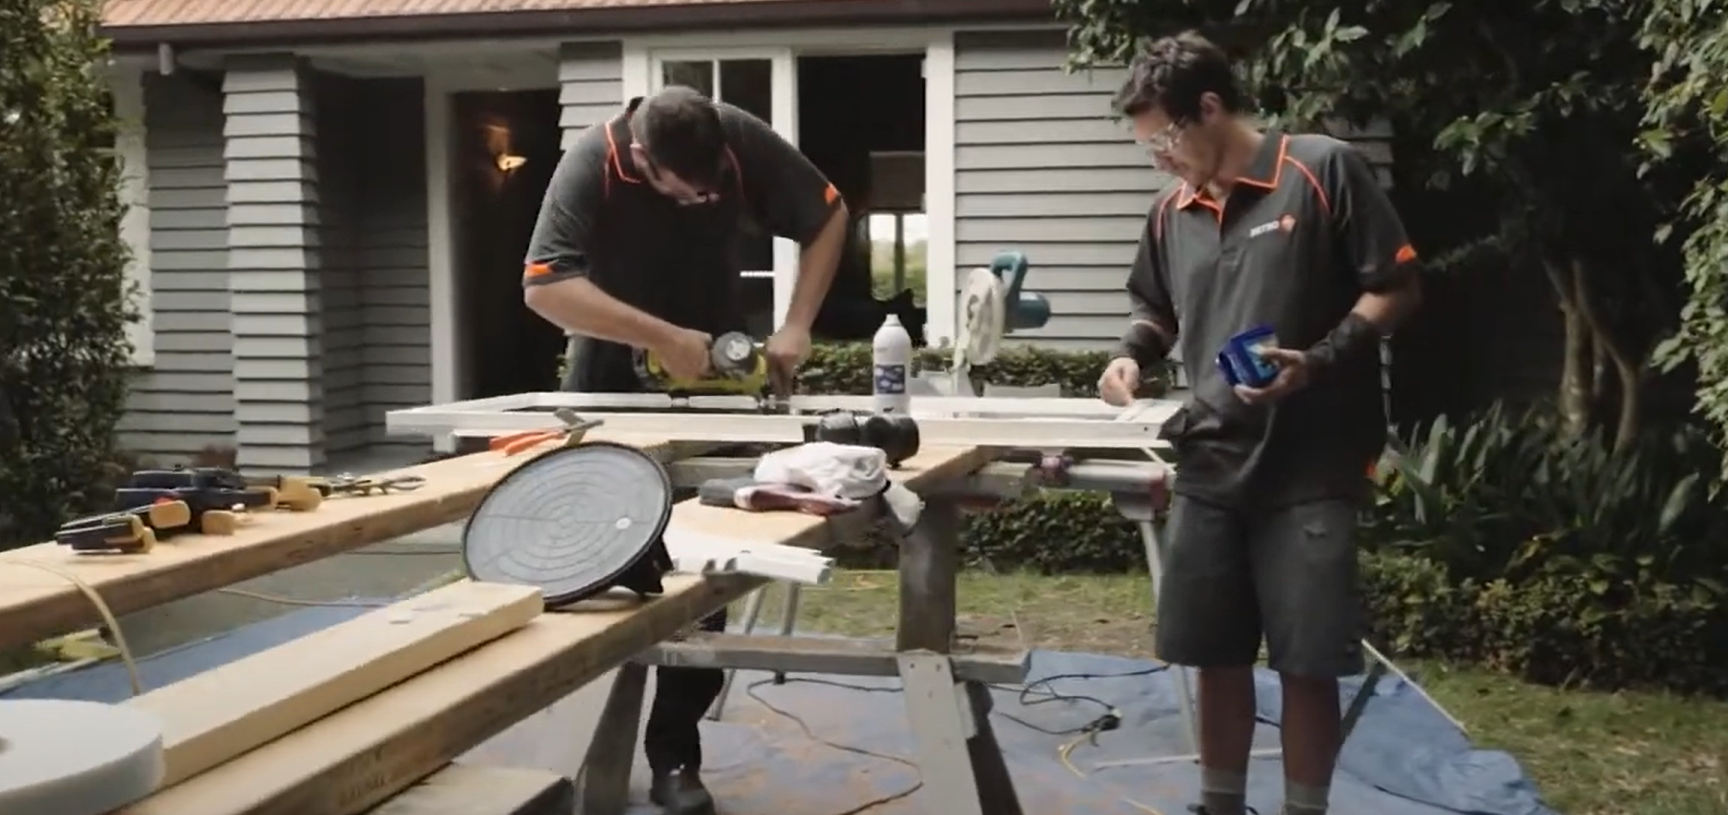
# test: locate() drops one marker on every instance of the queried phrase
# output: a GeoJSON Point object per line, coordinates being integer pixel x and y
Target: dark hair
{"type": "Point", "coordinates": [1172, 73]}
{"type": "Point", "coordinates": [680, 130]}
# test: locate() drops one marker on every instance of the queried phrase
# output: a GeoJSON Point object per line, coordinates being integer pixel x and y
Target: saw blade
{"type": "Point", "coordinates": [570, 521]}
{"type": "Point", "coordinates": [982, 318]}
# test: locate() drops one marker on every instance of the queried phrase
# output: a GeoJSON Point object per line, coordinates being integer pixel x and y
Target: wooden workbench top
{"type": "Point", "coordinates": [35, 604]}
{"type": "Point", "coordinates": [930, 467]}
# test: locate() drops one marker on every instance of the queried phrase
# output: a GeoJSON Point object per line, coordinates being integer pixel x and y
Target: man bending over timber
{"type": "Point", "coordinates": [635, 247]}
{"type": "Point", "coordinates": [1294, 232]}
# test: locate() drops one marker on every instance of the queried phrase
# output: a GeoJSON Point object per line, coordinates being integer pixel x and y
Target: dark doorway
{"type": "Point", "coordinates": [861, 121]}
{"type": "Point", "coordinates": [505, 147]}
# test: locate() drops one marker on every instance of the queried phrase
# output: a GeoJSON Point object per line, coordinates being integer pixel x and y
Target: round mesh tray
{"type": "Point", "coordinates": [570, 521]}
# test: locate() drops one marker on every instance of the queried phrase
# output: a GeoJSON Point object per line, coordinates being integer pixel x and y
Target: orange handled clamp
{"type": "Point", "coordinates": [517, 442]}
{"type": "Point", "coordinates": [575, 427]}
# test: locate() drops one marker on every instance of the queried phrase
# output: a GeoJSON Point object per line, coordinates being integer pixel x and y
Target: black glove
{"type": "Point", "coordinates": [1355, 337]}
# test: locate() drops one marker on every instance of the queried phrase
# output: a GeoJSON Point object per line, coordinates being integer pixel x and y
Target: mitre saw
{"type": "Point", "coordinates": [992, 303]}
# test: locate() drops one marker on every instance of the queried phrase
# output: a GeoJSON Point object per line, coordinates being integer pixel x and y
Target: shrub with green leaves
{"type": "Point", "coordinates": [844, 368]}
{"type": "Point", "coordinates": [1509, 542]}
{"type": "Point", "coordinates": [1512, 496]}
{"type": "Point", "coordinates": [64, 296]}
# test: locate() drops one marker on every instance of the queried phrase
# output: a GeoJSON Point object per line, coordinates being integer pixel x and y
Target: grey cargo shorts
{"type": "Point", "coordinates": [1288, 574]}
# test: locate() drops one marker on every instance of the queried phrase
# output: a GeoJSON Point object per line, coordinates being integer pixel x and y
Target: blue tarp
{"type": "Point", "coordinates": [1404, 757]}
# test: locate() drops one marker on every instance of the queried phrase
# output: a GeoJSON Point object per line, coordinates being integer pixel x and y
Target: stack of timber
{"type": "Point", "coordinates": [348, 761]}
{"type": "Point", "coordinates": [340, 721]}
{"type": "Point", "coordinates": [37, 602]}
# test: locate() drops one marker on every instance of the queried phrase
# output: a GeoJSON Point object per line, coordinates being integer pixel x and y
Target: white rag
{"type": "Point", "coordinates": [848, 471]}
{"type": "Point", "coordinates": [840, 470]}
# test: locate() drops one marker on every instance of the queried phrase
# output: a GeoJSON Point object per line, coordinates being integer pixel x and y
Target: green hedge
{"type": "Point", "coordinates": [844, 368]}
{"type": "Point", "coordinates": [1555, 630]}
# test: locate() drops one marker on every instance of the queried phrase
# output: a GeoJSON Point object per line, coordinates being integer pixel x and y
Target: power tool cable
{"type": "Point", "coordinates": [95, 597]}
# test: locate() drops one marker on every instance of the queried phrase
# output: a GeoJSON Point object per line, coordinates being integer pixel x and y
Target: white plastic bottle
{"type": "Point", "coordinates": [891, 366]}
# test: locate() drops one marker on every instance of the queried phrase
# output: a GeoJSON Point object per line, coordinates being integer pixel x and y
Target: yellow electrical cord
{"type": "Point", "coordinates": [1066, 754]}
{"type": "Point", "coordinates": [112, 622]}
{"type": "Point", "coordinates": [289, 601]}
{"type": "Point", "coordinates": [102, 609]}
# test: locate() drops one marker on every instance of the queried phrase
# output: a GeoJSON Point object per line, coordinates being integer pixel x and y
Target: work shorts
{"type": "Point", "coordinates": [1232, 577]}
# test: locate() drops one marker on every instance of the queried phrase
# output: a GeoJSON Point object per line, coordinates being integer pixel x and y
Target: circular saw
{"type": "Point", "coordinates": [575, 522]}
{"type": "Point", "coordinates": [983, 300]}
{"type": "Point", "coordinates": [991, 304]}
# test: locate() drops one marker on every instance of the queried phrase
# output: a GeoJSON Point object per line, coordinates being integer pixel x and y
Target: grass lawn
{"type": "Point", "coordinates": [1590, 753]}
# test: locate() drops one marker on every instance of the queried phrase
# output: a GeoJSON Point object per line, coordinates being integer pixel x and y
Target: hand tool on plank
{"type": "Point", "coordinates": [348, 484]}
{"type": "Point", "coordinates": [574, 430]}
{"type": "Point", "coordinates": [216, 496]}
{"type": "Point", "coordinates": [737, 366]}
{"type": "Point", "coordinates": [130, 531]}
{"type": "Point", "coordinates": [895, 434]}
{"type": "Point", "coordinates": [232, 487]}
{"type": "Point", "coordinates": [575, 522]}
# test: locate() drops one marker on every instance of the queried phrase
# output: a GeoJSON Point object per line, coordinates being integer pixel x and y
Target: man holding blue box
{"type": "Point", "coordinates": [1275, 265]}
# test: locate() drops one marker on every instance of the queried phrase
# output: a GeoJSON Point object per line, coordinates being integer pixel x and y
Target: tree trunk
{"type": "Point", "coordinates": [1577, 382]}
{"type": "Point", "coordinates": [1628, 371]}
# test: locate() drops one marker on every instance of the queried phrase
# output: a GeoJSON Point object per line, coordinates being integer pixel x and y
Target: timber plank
{"type": "Point", "coordinates": [36, 604]}
{"type": "Point", "coordinates": [461, 789]}
{"type": "Point", "coordinates": [230, 709]}
{"type": "Point", "coordinates": [980, 662]}
{"type": "Point", "coordinates": [931, 467]}
{"type": "Point", "coordinates": [360, 756]}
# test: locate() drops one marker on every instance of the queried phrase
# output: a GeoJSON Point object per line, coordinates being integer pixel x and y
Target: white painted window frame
{"type": "Point", "coordinates": [782, 113]}
{"type": "Point", "coordinates": [642, 56]}
{"type": "Point", "coordinates": [126, 83]}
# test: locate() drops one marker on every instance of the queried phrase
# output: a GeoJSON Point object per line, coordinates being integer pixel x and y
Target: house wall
{"type": "Point", "coordinates": [1042, 166]}
{"type": "Point", "coordinates": [389, 253]}
{"type": "Point", "coordinates": [343, 218]}
{"type": "Point", "coordinates": [591, 86]}
{"type": "Point", "coordinates": [337, 105]}
{"type": "Point", "coordinates": [185, 401]}
{"type": "Point", "coordinates": [275, 278]}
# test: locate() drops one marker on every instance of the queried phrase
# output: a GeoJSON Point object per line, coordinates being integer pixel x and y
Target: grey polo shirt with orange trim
{"type": "Point", "coordinates": [602, 221]}
{"type": "Point", "coordinates": [1301, 236]}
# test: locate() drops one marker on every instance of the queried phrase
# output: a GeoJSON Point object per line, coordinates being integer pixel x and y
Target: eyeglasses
{"type": "Point", "coordinates": [677, 188]}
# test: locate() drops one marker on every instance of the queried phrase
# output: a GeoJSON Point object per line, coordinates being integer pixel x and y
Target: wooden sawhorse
{"type": "Point", "coordinates": [947, 697]}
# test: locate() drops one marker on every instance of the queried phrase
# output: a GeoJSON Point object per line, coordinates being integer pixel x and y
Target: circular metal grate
{"type": "Point", "coordinates": [570, 521]}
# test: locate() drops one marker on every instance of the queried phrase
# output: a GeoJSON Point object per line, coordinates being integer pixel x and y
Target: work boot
{"type": "Point", "coordinates": [680, 792]}
{"type": "Point", "coordinates": [1198, 809]}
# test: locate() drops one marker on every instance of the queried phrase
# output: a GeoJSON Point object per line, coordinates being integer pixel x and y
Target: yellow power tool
{"type": "Point", "coordinates": [737, 367]}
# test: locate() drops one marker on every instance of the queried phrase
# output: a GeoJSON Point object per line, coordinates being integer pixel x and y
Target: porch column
{"type": "Point", "coordinates": [274, 263]}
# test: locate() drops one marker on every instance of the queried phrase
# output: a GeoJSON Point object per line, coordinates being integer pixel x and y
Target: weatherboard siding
{"type": "Point", "coordinates": [184, 402]}
{"type": "Point", "coordinates": [1042, 166]}
{"type": "Point", "coordinates": [591, 86]}
{"type": "Point", "coordinates": [340, 163]}
{"type": "Point", "coordinates": [390, 254]}
{"type": "Point", "coordinates": [274, 258]}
